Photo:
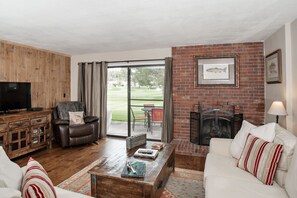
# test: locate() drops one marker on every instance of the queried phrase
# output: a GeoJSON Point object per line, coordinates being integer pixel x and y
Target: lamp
{"type": "Point", "coordinates": [277, 108]}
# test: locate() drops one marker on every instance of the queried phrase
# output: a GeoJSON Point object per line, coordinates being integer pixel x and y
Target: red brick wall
{"type": "Point", "coordinates": [249, 95]}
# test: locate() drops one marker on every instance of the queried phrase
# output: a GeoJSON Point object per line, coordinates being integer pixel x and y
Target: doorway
{"type": "Point", "coordinates": [133, 97]}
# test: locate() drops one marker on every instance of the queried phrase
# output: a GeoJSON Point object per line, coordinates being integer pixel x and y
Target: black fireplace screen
{"type": "Point", "coordinates": [213, 123]}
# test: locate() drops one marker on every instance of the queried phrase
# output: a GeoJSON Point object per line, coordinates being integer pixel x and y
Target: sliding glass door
{"type": "Point", "coordinates": [146, 95]}
{"type": "Point", "coordinates": [135, 100]}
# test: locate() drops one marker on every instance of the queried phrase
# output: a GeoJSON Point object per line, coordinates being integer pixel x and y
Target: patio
{"type": "Point", "coordinates": [118, 128]}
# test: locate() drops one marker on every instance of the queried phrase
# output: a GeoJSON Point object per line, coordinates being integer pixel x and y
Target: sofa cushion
{"type": "Point", "coordinates": [36, 182]}
{"type": "Point", "coordinates": [68, 194]}
{"type": "Point", "coordinates": [10, 193]}
{"type": "Point", "coordinates": [10, 173]}
{"type": "Point", "coordinates": [260, 158]}
{"type": "Point", "coordinates": [219, 165]}
{"type": "Point", "coordinates": [217, 186]}
{"type": "Point", "coordinates": [239, 140]}
{"type": "Point", "coordinates": [80, 130]}
{"type": "Point", "coordinates": [76, 118]}
{"type": "Point", "coordinates": [291, 179]}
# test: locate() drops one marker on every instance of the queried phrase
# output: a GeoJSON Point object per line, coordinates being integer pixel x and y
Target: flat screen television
{"type": "Point", "coordinates": [15, 96]}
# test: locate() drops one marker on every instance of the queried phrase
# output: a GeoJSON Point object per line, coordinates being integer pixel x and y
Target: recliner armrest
{"type": "Point", "coordinates": [60, 122]}
{"type": "Point", "coordinates": [220, 146]}
{"type": "Point", "coordinates": [89, 119]}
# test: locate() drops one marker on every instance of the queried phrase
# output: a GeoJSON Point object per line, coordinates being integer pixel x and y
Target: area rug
{"type": "Point", "coordinates": [181, 183]}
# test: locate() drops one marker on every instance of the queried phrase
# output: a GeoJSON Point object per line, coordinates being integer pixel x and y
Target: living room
{"type": "Point", "coordinates": [213, 69]}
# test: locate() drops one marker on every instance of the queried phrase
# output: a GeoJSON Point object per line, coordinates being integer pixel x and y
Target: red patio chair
{"type": "Point", "coordinates": [157, 117]}
{"type": "Point", "coordinates": [137, 118]}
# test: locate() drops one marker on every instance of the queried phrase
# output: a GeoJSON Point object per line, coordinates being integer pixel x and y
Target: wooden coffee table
{"type": "Point", "coordinates": [106, 180]}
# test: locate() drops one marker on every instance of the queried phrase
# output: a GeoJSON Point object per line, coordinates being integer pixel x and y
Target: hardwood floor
{"type": "Point", "coordinates": [61, 163]}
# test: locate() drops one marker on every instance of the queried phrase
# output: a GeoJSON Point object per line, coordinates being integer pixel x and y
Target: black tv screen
{"type": "Point", "coordinates": [15, 95]}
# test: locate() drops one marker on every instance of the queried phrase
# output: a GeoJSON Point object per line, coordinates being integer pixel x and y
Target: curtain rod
{"type": "Point", "coordinates": [128, 61]}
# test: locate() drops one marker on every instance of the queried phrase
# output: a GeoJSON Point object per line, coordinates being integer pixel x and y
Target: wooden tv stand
{"type": "Point", "coordinates": [25, 132]}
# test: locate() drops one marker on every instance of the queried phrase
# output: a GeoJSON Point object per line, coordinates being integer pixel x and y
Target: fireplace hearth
{"type": "Point", "coordinates": [214, 123]}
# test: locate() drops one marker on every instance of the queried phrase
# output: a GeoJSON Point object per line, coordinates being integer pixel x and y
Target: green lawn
{"type": "Point", "coordinates": [117, 100]}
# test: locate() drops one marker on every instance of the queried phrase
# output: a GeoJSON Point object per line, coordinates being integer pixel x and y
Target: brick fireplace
{"type": "Point", "coordinates": [248, 96]}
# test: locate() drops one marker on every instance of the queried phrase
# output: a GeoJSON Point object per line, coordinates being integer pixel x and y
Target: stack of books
{"type": "Point", "coordinates": [157, 146]}
{"type": "Point", "coordinates": [146, 153]}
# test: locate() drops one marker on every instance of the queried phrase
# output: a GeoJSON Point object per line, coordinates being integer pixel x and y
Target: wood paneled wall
{"type": "Point", "coordinates": [48, 72]}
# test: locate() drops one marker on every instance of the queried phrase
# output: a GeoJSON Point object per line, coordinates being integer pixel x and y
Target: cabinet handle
{"type": "Point", "coordinates": [170, 163]}
{"type": "Point", "coordinates": [39, 120]}
{"type": "Point", "coordinates": [160, 185]}
{"type": "Point", "coordinates": [18, 123]}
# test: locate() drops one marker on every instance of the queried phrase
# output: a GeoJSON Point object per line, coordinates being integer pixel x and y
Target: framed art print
{"type": "Point", "coordinates": [216, 71]}
{"type": "Point", "coordinates": [273, 64]}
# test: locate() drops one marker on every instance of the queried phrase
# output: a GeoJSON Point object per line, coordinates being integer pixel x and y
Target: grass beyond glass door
{"type": "Point", "coordinates": [117, 102]}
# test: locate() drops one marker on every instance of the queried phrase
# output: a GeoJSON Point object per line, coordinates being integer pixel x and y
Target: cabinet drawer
{"type": "Point", "coordinates": [41, 120]}
{"type": "Point", "coordinates": [3, 127]}
{"type": "Point", "coordinates": [21, 123]}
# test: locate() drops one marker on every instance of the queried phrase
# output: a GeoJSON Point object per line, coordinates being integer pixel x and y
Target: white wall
{"type": "Point", "coordinates": [276, 91]}
{"type": "Point", "coordinates": [286, 40]}
{"type": "Point", "coordinates": [113, 56]}
{"type": "Point", "coordinates": [294, 73]}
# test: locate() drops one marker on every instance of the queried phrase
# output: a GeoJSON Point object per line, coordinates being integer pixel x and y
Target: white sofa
{"type": "Point", "coordinates": [12, 193]}
{"type": "Point", "coordinates": [11, 178]}
{"type": "Point", "coordinates": [222, 177]}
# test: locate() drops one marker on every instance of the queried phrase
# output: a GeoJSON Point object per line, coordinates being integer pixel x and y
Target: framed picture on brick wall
{"type": "Point", "coordinates": [216, 71]}
{"type": "Point", "coordinates": [273, 64]}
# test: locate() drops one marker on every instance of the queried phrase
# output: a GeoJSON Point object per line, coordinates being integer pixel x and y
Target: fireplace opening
{"type": "Point", "coordinates": [213, 123]}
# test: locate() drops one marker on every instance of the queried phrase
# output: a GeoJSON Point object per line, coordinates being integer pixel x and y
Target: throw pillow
{"type": "Point", "coordinates": [265, 132]}
{"type": "Point", "coordinates": [280, 176]}
{"type": "Point", "coordinates": [238, 142]}
{"type": "Point", "coordinates": [260, 158]}
{"type": "Point", "coordinates": [76, 118]}
{"type": "Point", "coordinates": [36, 182]}
{"type": "Point", "coordinates": [10, 173]}
{"type": "Point", "coordinates": [288, 140]}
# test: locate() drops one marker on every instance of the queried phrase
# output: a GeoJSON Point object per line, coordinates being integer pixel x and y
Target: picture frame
{"type": "Point", "coordinates": [216, 71]}
{"type": "Point", "coordinates": [273, 65]}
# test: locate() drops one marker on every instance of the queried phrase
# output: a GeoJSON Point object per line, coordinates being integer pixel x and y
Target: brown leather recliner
{"type": "Point", "coordinates": [70, 135]}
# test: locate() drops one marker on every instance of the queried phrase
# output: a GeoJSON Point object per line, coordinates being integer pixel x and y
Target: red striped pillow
{"type": "Point", "coordinates": [260, 158]}
{"type": "Point", "coordinates": [36, 182]}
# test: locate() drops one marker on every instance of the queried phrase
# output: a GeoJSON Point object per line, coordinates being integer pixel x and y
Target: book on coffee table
{"type": "Point", "coordinates": [134, 169]}
{"type": "Point", "coordinates": [146, 153]}
{"type": "Point", "coordinates": [157, 146]}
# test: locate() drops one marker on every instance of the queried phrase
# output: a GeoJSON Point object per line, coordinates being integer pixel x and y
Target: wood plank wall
{"type": "Point", "coordinates": [48, 72]}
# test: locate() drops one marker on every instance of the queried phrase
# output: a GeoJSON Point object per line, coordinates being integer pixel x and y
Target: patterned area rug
{"type": "Point", "coordinates": [181, 183]}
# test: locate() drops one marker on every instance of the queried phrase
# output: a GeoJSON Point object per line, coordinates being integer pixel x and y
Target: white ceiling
{"type": "Point", "coordinates": [91, 26]}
